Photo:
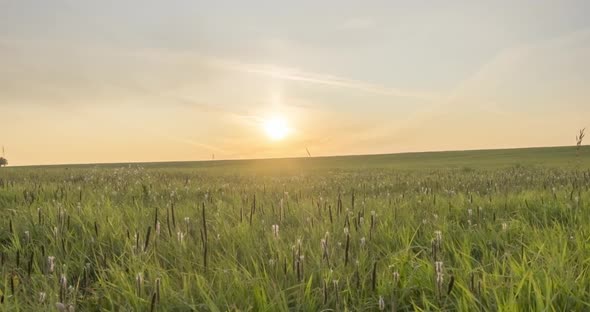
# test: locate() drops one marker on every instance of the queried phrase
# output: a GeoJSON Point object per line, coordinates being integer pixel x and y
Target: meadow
{"type": "Point", "coordinates": [490, 230]}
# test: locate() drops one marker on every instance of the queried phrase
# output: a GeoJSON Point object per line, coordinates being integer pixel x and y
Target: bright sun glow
{"type": "Point", "coordinates": [276, 128]}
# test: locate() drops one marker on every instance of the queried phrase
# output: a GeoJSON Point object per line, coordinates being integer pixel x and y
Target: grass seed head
{"type": "Point", "coordinates": [51, 264]}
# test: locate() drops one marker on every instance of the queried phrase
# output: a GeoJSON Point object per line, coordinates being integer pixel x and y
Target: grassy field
{"type": "Point", "coordinates": [475, 230]}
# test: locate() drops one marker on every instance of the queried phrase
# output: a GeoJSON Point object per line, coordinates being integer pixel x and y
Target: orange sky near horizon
{"type": "Point", "coordinates": [143, 81]}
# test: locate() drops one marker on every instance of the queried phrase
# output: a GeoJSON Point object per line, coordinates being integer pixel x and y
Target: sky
{"type": "Point", "coordinates": [134, 81]}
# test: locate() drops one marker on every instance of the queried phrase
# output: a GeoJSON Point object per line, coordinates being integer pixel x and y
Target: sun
{"type": "Point", "coordinates": [276, 128]}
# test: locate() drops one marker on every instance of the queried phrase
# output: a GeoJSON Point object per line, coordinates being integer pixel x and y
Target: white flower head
{"type": "Point", "coordinates": [438, 266]}
{"type": "Point", "coordinates": [439, 278]}
{"type": "Point", "coordinates": [396, 277]}
{"type": "Point", "coordinates": [323, 244]}
{"type": "Point", "coordinates": [51, 263]}
{"type": "Point", "coordinates": [438, 236]}
{"type": "Point", "coordinates": [381, 303]}
{"type": "Point", "coordinates": [63, 281]}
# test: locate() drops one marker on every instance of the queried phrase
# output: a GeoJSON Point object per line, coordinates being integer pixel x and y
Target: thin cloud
{"type": "Point", "coordinates": [358, 23]}
{"type": "Point", "coordinates": [290, 74]}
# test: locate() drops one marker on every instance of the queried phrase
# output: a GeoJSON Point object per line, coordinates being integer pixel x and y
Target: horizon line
{"type": "Point", "coordinates": [285, 158]}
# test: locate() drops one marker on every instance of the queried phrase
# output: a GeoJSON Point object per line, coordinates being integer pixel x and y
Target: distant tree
{"type": "Point", "coordinates": [579, 139]}
{"type": "Point", "coordinates": [3, 162]}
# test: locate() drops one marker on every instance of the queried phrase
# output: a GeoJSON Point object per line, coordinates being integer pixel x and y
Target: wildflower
{"type": "Point", "coordinates": [363, 241]}
{"type": "Point", "coordinates": [439, 279]}
{"type": "Point", "coordinates": [323, 244]}
{"type": "Point", "coordinates": [504, 226]}
{"type": "Point", "coordinates": [438, 266]}
{"type": "Point", "coordinates": [438, 237]}
{"type": "Point", "coordinates": [470, 212]}
{"type": "Point", "coordinates": [51, 263]}
{"type": "Point", "coordinates": [65, 308]}
{"type": "Point", "coordinates": [139, 282]}
{"type": "Point", "coordinates": [42, 297]}
{"type": "Point", "coordinates": [395, 277]}
{"type": "Point", "coordinates": [381, 303]}
{"type": "Point", "coordinates": [63, 282]}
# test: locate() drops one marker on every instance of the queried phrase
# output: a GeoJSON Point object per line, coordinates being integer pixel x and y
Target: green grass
{"type": "Point", "coordinates": [515, 228]}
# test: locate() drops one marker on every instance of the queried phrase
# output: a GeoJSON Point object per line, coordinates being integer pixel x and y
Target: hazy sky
{"type": "Point", "coordinates": [110, 81]}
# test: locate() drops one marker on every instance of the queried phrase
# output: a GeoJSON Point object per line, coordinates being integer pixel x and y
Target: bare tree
{"type": "Point", "coordinates": [579, 139]}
